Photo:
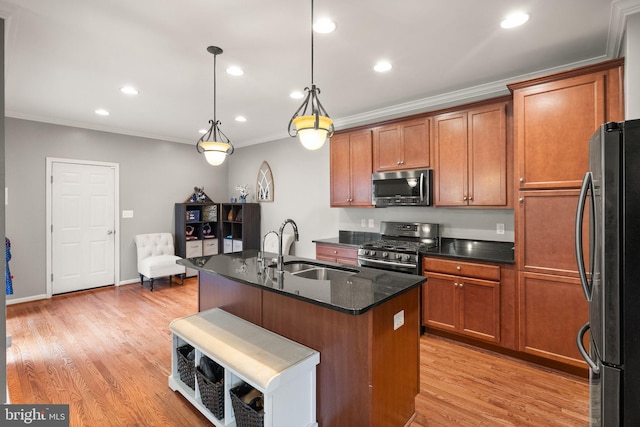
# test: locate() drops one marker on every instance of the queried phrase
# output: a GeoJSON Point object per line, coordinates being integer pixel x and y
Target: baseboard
{"type": "Point", "coordinates": [26, 299]}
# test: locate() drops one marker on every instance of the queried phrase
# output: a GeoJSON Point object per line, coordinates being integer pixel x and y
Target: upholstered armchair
{"type": "Point", "coordinates": [156, 258]}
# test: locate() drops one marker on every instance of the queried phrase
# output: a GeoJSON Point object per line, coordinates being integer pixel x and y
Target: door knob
{"type": "Point", "coordinates": [110, 232]}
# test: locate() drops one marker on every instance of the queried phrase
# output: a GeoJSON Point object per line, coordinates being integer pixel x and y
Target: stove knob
{"type": "Point", "coordinates": [399, 256]}
{"type": "Point", "coordinates": [385, 254]}
{"type": "Point", "coordinates": [372, 253]}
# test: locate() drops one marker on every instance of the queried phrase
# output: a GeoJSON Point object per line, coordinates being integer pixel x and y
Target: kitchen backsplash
{"type": "Point", "coordinates": [479, 224]}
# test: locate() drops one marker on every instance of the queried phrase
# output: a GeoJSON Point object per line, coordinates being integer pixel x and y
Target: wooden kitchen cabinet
{"type": "Point", "coordinates": [555, 116]}
{"type": "Point", "coordinates": [471, 157]}
{"type": "Point", "coordinates": [402, 145]}
{"type": "Point", "coordinates": [462, 298]}
{"type": "Point", "coordinates": [337, 253]}
{"type": "Point", "coordinates": [552, 310]}
{"type": "Point", "coordinates": [351, 168]}
{"type": "Point", "coordinates": [546, 232]}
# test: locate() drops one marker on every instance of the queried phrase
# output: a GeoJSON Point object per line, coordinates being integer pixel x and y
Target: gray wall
{"type": "Point", "coordinates": [153, 176]}
{"type": "Point", "coordinates": [631, 52]}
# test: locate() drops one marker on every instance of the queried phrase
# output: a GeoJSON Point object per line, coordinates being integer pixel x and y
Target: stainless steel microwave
{"type": "Point", "coordinates": [402, 188]}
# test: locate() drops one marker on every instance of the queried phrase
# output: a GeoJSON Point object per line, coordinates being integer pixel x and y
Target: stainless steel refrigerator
{"type": "Point", "coordinates": [609, 266]}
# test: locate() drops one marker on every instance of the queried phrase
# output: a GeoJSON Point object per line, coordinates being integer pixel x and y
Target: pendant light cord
{"type": "Point", "coordinates": [215, 91]}
{"type": "Point", "coordinates": [312, 43]}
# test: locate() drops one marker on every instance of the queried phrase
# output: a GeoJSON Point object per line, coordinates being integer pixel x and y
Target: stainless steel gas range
{"type": "Point", "coordinates": [400, 246]}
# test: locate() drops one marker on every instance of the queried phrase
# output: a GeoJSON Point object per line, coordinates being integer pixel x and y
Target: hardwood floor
{"type": "Point", "coordinates": [107, 353]}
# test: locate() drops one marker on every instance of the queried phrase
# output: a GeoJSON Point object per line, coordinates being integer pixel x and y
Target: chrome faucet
{"type": "Point", "coordinates": [295, 231]}
{"type": "Point", "coordinates": [261, 253]}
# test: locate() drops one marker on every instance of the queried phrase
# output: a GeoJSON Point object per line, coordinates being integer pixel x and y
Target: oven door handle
{"type": "Point", "coordinates": [395, 264]}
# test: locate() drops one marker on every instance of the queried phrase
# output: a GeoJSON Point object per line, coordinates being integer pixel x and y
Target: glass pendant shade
{"type": "Point", "coordinates": [215, 152]}
{"type": "Point", "coordinates": [312, 138]}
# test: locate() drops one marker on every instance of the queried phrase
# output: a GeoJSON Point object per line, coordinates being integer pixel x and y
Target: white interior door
{"type": "Point", "coordinates": [82, 226]}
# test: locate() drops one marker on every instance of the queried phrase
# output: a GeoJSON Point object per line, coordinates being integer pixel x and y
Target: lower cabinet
{"type": "Point", "coordinates": [337, 253]}
{"type": "Point", "coordinates": [552, 310]}
{"type": "Point", "coordinates": [466, 302]}
{"type": "Point", "coordinates": [279, 370]}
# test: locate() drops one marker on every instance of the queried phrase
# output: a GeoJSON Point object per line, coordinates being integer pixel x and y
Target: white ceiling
{"type": "Point", "coordinates": [66, 58]}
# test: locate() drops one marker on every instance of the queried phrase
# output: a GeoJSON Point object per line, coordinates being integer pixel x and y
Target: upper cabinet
{"type": "Point", "coordinates": [554, 119]}
{"type": "Point", "coordinates": [402, 145]}
{"type": "Point", "coordinates": [351, 169]}
{"type": "Point", "coordinates": [471, 157]}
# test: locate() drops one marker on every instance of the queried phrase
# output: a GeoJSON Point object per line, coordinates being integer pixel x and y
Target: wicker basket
{"type": "Point", "coordinates": [186, 367]}
{"type": "Point", "coordinates": [212, 394]}
{"type": "Point", "coordinates": [246, 416]}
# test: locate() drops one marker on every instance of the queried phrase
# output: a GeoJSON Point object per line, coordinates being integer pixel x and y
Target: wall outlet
{"type": "Point", "coordinates": [127, 214]}
{"type": "Point", "coordinates": [398, 319]}
{"type": "Point", "coordinates": [363, 222]}
{"type": "Point", "coordinates": [499, 228]}
{"type": "Point", "coordinates": [371, 225]}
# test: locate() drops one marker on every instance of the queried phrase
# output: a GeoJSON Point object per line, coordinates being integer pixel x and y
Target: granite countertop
{"type": "Point", "coordinates": [351, 294]}
{"type": "Point", "coordinates": [467, 249]}
{"type": "Point", "coordinates": [475, 250]}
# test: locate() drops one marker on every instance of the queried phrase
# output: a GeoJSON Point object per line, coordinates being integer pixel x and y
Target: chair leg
{"type": "Point", "coordinates": [141, 280]}
{"type": "Point", "coordinates": [182, 279]}
{"type": "Point", "coordinates": [151, 281]}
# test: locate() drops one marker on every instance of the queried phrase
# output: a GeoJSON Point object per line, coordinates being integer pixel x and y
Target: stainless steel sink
{"type": "Point", "coordinates": [316, 271]}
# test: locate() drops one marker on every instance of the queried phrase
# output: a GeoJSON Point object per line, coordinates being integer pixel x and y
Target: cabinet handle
{"type": "Point", "coordinates": [458, 268]}
{"type": "Point", "coordinates": [398, 163]}
{"type": "Point", "coordinates": [460, 284]}
{"type": "Point", "coordinates": [335, 252]}
{"type": "Point", "coordinates": [455, 285]}
{"type": "Point", "coordinates": [521, 179]}
{"type": "Point", "coordinates": [470, 198]}
{"type": "Point", "coordinates": [521, 199]}
{"type": "Point", "coordinates": [464, 198]}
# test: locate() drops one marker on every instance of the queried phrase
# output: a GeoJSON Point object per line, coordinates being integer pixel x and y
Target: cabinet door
{"type": "Point", "coordinates": [387, 151]}
{"type": "Point", "coordinates": [351, 169]}
{"type": "Point", "coordinates": [439, 302]}
{"type": "Point", "coordinates": [360, 155]}
{"type": "Point", "coordinates": [340, 169]}
{"type": "Point", "coordinates": [451, 175]}
{"type": "Point", "coordinates": [479, 302]}
{"type": "Point", "coordinates": [552, 310]}
{"type": "Point", "coordinates": [415, 144]}
{"type": "Point", "coordinates": [553, 124]}
{"type": "Point", "coordinates": [487, 170]}
{"type": "Point", "coordinates": [546, 228]}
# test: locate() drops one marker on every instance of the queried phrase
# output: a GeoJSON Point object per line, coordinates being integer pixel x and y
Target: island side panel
{"type": "Point", "coordinates": [244, 301]}
{"type": "Point", "coordinates": [396, 359]}
{"type": "Point", "coordinates": [344, 343]}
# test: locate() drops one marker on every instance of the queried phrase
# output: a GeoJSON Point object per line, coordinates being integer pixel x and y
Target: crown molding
{"type": "Point", "coordinates": [620, 10]}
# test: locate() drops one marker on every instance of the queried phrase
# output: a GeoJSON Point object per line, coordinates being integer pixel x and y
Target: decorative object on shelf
{"type": "Point", "coordinates": [193, 216]}
{"type": "Point", "coordinates": [188, 230]}
{"type": "Point", "coordinates": [234, 200]}
{"type": "Point", "coordinates": [214, 144]}
{"type": "Point", "coordinates": [315, 126]}
{"type": "Point", "coordinates": [244, 192]}
{"type": "Point", "coordinates": [230, 215]}
{"type": "Point", "coordinates": [206, 230]}
{"type": "Point", "coordinates": [264, 185]}
{"type": "Point", "coordinates": [198, 196]}
{"type": "Point", "coordinates": [210, 213]}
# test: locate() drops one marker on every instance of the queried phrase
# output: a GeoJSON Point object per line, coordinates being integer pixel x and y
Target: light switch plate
{"type": "Point", "coordinates": [398, 319]}
{"type": "Point", "coordinates": [127, 214]}
{"type": "Point", "coordinates": [499, 228]}
{"type": "Point", "coordinates": [371, 224]}
{"type": "Point", "coordinates": [363, 222]}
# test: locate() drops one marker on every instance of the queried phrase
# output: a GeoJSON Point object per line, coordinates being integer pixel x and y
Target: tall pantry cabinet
{"type": "Point", "coordinates": [554, 117]}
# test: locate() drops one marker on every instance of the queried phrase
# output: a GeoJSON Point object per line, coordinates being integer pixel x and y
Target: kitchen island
{"type": "Point", "coordinates": [365, 323]}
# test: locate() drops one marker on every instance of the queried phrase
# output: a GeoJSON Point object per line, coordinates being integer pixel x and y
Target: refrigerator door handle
{"type": "Point", "coordinates": [587, 184]}
{"type": "Point", "coordinates": [583, 352]}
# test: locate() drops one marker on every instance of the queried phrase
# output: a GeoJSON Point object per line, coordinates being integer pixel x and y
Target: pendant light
{"type": "Point", "coordinates": [315, 126]}
{"type": "Point", "coordinates": [214, 144]}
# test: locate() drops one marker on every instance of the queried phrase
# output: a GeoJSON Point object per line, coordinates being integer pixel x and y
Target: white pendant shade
{"type": "Point", "coordinates": [310, 137]}
{"type": "Point", "coordinates": [215, 152]}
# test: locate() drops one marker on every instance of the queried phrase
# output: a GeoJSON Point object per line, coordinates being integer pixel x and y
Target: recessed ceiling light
{"type": "Point", "coordinates": [102, 112]}
{"type": "Point", "coordinates": [324, 26]}
{"type": "Point", "coordinates": [241, 119]}
{"type": "Point", "coordinates": [235, 71]}
{"type": "Point", "coordinates": [382, 66]}
{"type": "Point", "coordinates": [129, 90]}
{"type": "Point", "coordinates": [296, 94]}
{"type": "Point", "coordinates": [514, 20]}
{"type": "Point", "coordinates": [202, 131]}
